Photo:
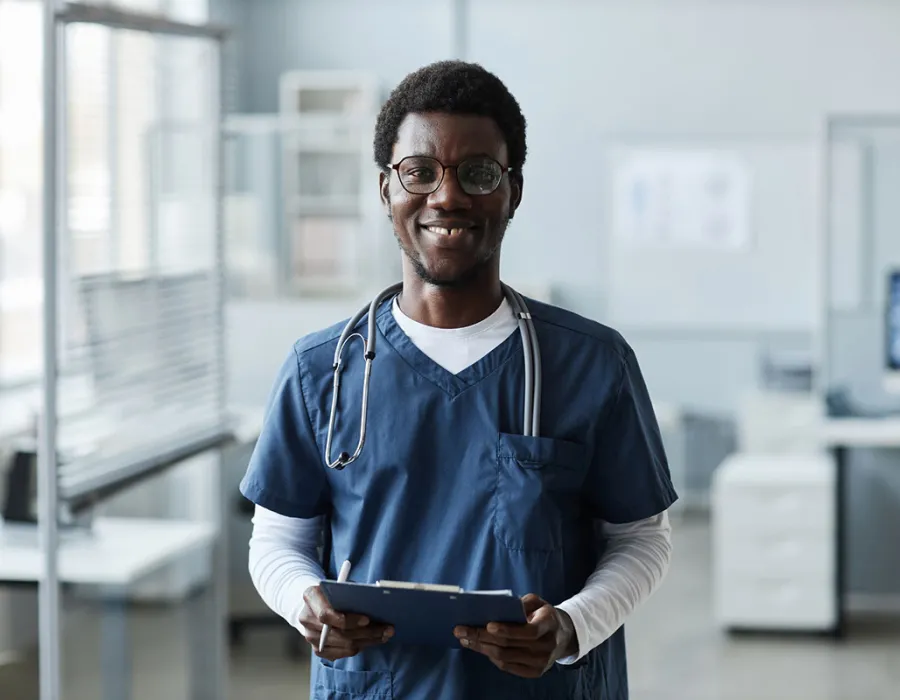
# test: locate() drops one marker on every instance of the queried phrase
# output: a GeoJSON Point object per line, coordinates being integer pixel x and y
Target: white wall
{"type": "Point", "coordinates": [388, 36]}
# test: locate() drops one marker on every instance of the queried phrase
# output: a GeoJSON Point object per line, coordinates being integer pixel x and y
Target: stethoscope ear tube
{"type": "Point", "coordinates": [348, 333]}
{"type": "Point", "coordinates": [532, 355]}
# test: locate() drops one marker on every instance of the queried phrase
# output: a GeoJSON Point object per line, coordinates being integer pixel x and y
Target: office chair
{"type": "Point", "coordinates": [20, 489]}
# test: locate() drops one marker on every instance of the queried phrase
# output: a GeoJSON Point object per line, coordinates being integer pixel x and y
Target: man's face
{"type": "Point", "coordinates": [449, 235]}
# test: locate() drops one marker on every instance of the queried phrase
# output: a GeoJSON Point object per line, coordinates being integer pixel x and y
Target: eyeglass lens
{"type": "Point", "coordinates": [423, 175]}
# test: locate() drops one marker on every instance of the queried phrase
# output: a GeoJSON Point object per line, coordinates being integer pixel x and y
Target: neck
{"type": "Point", "coordinates": [451, 306]}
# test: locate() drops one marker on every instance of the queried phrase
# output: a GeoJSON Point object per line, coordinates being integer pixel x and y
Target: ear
{"type": "Point", "coordinates": [384, 187]}
{"type": "Point", "coordinates": [515, 196]}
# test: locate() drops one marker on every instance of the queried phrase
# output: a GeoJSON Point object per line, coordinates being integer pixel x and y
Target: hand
{"type": "Point", "coordinates": [528, 650]}
{"type": "Point", "coordinates": [348, 635]}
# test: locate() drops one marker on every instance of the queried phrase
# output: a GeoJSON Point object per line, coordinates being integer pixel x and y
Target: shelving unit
{"type": "Point", "coordinates": [331, 208]}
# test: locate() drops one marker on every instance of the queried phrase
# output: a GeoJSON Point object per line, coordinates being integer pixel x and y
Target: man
{"type": "Point", "coordinates": [448, 489]}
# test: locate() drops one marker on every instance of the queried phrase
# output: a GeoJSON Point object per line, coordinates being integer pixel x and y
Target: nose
{"type": "Point", "coordinates": [450, 196]}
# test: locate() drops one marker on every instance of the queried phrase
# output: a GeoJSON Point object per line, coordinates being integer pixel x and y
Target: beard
{"type": "Point", "coordinates": [460, 279]}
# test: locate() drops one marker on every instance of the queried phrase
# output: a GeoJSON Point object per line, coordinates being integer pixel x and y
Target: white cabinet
{"type": "Point", "coordinates": [333, 223]}
{"type": "Point", "coordinates": [774, 520]}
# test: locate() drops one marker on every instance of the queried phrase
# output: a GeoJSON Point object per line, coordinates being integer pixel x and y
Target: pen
{"type": "Point", "coordinates": [342, 577]}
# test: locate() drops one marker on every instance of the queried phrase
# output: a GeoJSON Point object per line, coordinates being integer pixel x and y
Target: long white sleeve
{"type": "Point", "coordinates": [632, 567]}
{"type": "Point", "coordinates": [284, 561]}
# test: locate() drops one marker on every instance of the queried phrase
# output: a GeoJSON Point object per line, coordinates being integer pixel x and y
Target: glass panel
{"type": "Point", "coordinates": [88, 157]}
{"type": "Point", "coordinates": [143, 321]}
{"type": "Point", "coordinates": [864, 252]}
{"type": "Point", "coordinates": [142, 347]}
{"type": "Point", "coordinates": [21, 208]}
{"type": "Point", "coordinates": [136, 111]}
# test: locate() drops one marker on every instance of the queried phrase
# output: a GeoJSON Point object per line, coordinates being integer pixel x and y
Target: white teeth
{"type": "Point", "coordinates": [445, 231]}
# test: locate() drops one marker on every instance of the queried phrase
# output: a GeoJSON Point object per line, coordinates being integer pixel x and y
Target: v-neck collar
{"type": "Point", "coordinates": [452, 384]}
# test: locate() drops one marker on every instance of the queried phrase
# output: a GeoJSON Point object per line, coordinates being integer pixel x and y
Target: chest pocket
{"type": "Point", "coordinates": [537, 493]}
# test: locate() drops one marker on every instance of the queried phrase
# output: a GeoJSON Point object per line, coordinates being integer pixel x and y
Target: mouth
{"type": "Point", "coordinates": [450, 236]}
{"type": "Point", "coordinates": [449, 230]}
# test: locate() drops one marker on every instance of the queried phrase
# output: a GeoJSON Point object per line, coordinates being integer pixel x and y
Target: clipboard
{"type": "Point", "coordinates": [424, 614]}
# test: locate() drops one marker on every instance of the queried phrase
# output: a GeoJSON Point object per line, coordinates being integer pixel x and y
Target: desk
{"type": "Point", "coordinates": [102, 447]}
{"type": "Point", "coordinates": [20, 405]}
{"type": "Point", "coordinates": [116, 553]}
{"type": "Point", "coordinates": [839, 435]}
{"type": "Point", "coordinates": [860, 432]}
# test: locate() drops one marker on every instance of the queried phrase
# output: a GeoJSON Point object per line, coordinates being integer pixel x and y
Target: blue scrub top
{"type": "Point", "coordinates": [448, 490]}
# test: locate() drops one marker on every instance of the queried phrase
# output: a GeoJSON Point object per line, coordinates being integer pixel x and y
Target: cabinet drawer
{"type": "Point", "coordinates": [768, 511]}
{"type": "Point", "coordinates": [784, 556]}
{"type": "Point", "coordinates": [776, 603]}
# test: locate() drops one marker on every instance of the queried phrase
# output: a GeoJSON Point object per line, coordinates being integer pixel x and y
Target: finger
{"type": "Point", "coordinates": [520, 670]}
{"type": "Point", "coordinates": [336, 636]}
{"type": "Point", "coordinates": [333, 653]}
{"type": "Point", "coordinates": [373, 632]}
{"type": "Point", "coordinates": [544, 620]}
{"type": "Point", "coordinates": [540, 624]}
{"type": "Point", "coordinates": [531, 603]}
{"type": "Point", "coordinates": [523, 633]}
{"type": "Point", "coordinates": [321, 610]}
{"type": "Point", "coordinates": [341, 644]}
{"type": "Point", "coordinates": [344, 648]}
{"type": "Point", "coordinates": [481, 634]}
{"type": "Point", "coordinates": [517, 660]}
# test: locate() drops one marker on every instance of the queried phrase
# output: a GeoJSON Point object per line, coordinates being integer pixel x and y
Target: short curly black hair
{"type": "Point", "coordinates": [451, 87]}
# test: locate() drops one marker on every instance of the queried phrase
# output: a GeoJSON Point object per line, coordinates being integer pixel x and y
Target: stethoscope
{"type": "Point", "coordinates": [530, 349]}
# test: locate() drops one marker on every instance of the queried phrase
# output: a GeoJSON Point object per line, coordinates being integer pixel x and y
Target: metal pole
{"type": "Point", "coordinates": [114, 235]}
{"type": "Point", "coordinates": [867, 264]}
{"type": "Point", "coordinates": [48, 586]}
{"type": "Point", "coordinates": [220, 551]}
{"type": "Point", "coordinates": [822, 377]}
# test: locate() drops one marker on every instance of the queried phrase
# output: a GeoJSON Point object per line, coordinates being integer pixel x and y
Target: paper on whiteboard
{"type": "Point", "coordinates": [683, 199]}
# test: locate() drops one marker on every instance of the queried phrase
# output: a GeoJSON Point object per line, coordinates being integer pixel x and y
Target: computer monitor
{"type": "Point", "coordinates": [892, 334]}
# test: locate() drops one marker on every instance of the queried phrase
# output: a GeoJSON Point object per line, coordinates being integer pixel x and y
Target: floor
{"type": "Point", "coordinates": [675, 653]}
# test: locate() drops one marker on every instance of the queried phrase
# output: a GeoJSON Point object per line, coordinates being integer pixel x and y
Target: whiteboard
{"type": "Point", "coordinates": [682, 198]}
{"type": "Point", "coordinates": [762, 276]}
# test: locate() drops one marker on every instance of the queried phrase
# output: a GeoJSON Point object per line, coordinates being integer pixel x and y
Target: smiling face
{"type": "Point", "coordinates": [450, 237]}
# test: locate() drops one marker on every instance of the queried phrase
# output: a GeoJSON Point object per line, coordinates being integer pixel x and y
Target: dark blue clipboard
{"type": "Point", "coordinates": [423, 616]}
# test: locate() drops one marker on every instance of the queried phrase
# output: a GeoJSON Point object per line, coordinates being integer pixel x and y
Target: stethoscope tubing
{"type": "Point", "coordinates": [530, 349]}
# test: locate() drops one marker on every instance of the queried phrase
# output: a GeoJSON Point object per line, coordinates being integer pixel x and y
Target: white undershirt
{"type": "Point", "coordinates": [454, 349]}
{"type": "Point", "coordinates": [284, 561]}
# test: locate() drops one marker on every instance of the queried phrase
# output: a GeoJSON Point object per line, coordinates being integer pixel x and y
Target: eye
{"type": "Point", "coordinates": [482, 173]}
{"type": "Point", "coordinates": [419, 174]}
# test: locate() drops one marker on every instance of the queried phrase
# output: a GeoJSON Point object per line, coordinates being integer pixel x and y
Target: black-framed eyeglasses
{"type": "Point", "coordinates": [423, 174]}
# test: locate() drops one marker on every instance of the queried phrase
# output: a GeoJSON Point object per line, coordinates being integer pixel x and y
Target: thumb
{"type": "Point", "coordinates": [532, 602]}
{"type": "Point", "coordinates": [544, 619]}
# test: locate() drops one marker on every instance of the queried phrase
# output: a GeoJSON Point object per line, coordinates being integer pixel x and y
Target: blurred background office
{"type": "Point", "coordinates": [718, 181]}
